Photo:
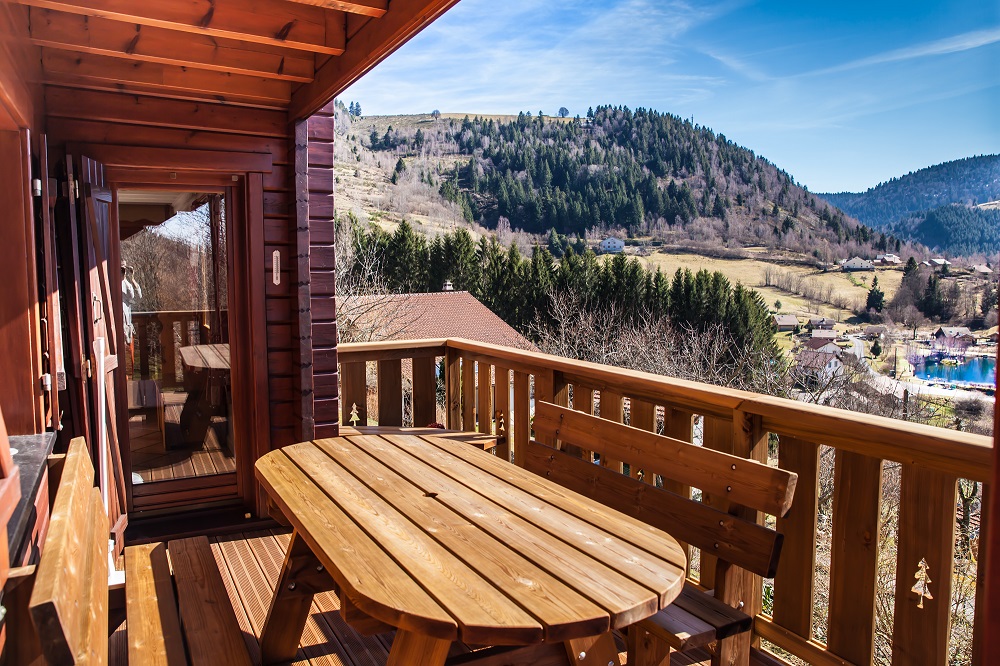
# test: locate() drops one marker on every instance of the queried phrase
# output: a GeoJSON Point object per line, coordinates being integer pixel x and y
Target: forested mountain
{"type": "Point", "coordinates": [972, 180]}
{"type": "Point", "coordinates": [954, 229]}
{"type": "Point", "coordinates": [644, 172]}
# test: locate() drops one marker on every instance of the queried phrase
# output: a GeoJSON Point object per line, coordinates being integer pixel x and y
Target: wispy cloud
{"type": "Point", "coordinates": [955, 44]}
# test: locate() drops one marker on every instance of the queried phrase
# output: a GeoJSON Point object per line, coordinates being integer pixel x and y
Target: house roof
{"type": "Point", "coordinates": [429, 316]}
{"type": "Point", "coordinates": [939, 261]}
{"type": "Point", "coordinates": [817, 343]}
{"type": "Point", "coordinates": [814, 360]}
{"type": "Point", "coordinates": [952, 331]}
{"type": "Point", "coordinates": [786, 320]}
{"type": "Point", "coordinates": [824, 334]}
{"type": "Point", "coordinates": [877, 329]}
{"type": "Point", "coordinates": [820, 321]}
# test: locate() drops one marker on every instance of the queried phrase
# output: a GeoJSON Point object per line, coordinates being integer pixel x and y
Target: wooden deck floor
{"type": "Point", "coordinates": [153, 462]}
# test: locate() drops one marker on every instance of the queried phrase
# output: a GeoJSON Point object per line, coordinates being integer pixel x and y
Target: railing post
{"type": "Point", "coordinates": [551, 387]}
{"type": "Point", "coordinates": [501, 400]}
{"type": "Point", "coordinates": [468, 394]}
{"type": "Point", "coordinates": [794, 583]}
{"type": "Point", "coordinates": [390, 392]}
{"type": "Point", "coordinates": [925, 559]}
{"type": "Point", "coordinates": [735, 586]}
{"type": "Point", "coordinates": [521, 417]}
{"type": "Point", "coordinates": [354, 389]}
{"type": "Point", "coordinates": [424, 392]}
{"type": "Point", "coordinates": [854, 556]}
{"type": "Point", "coordinates": [484, 409]}
{"type": "Point", "coordinates": [611, 409]}
{"type": "Point", "coordinates": [453, 389]}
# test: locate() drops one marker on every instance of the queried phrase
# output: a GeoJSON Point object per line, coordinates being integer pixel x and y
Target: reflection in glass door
{"type": "Point", "coordinates": [174, 276]}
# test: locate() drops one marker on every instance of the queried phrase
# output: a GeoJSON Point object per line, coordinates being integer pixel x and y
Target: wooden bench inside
{"type": "Point", "coordinates": [696, 618]}
{"type": "Point", "coordinates": [177, 606]}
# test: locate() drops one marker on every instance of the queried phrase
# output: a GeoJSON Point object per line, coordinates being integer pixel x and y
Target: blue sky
{"type": "Point", "coordinates": [841, 94]}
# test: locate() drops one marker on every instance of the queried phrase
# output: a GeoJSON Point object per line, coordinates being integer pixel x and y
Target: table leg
{"type": "Point", "coordinates": [410, 649]}
{"type": "Point", "coordinates": [593, 651]}
{"type": "Point", "coordinates": [302, 577]}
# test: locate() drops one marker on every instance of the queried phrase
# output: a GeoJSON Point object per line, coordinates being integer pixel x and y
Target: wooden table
{"type": "Point", "coordinates": [446, 542]}
{"type": "Point", "coordinates": [203, 366]}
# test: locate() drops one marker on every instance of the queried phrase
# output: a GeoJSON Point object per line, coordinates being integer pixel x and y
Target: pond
{"type": "Point", "coordinates": [976, 370]}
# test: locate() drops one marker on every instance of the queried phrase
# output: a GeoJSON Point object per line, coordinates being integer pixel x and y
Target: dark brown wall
{"type": "Point", "coordinates": [322, 264]}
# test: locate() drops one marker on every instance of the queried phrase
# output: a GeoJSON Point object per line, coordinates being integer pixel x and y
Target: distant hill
{"type": "Point", "coordinates": [954, 229]}
{"type": "Point", "coordinates": [642, 172]}
{"type": "Point", "coordinates": [972, 180]}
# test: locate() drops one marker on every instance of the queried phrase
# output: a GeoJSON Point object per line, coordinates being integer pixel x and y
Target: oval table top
{"type": "Point", "coordinates": [429, 534]}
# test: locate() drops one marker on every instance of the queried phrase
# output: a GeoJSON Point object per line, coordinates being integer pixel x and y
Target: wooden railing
{"type": "Point", "coordinates": [846, 577]}
{"type": "Point", "coordinates": [158, 336]}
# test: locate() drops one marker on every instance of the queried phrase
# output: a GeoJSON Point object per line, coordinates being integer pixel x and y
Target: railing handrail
{"type": "Point", "coordinates": [964, 455]}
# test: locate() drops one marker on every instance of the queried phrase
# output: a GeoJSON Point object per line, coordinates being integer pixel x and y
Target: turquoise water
{"type": "Point", "coordinates": [977, 370]}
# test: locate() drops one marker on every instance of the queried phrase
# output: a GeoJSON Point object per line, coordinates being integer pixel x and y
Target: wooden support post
{"type": "Point", "coordinates": [611, 409]}
{"type": "Point", "coordinates": [468, 395]}
{"type": "Point", "coordinates": [484, 402]}
{"type": "Point", "coordinates": [354, 388]}
{"type": "Point", "coordinates": [521, 417]}
{"type": "Point", "coordinates": [794, 583]}
{"type": "Point", "coordinates": [642, 415]}
{"type": "Point", "coordinates": [302, 577]}
{"type": "Point", "coordinates": [645, 649]}
{"type": "Point", "coordinates": [424, 392]}
{"type": "Point", "coordinates": [410, 648]}
{"type": "Point", "coordinates": [592, 650]}
{"type": "Point", "coordinates": [501, 399]}
{"type": "Point", "coordinates": [390, 393]}
{"type": "Point", "coordinates": [735, 586]}
{"type": "Point", "coordinates": [453, 389]}
{"type": "Point", "coordinates": [679, 425]}
{"type": "Point", "coordinates": [854, 556]}
{"type": "Point", "coordinates": [924, 566]}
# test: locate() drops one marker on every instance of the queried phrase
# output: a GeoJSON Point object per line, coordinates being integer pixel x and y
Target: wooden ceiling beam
{"type": "Point", "coordinates": [88, 34]}
{"type": "Point", "coordinates": [272, 22]}
{"type": "Point", "coordinates": [376, 8]}
{"type": "Point", "coordinates": [67, 67]}
{"type": "Point", "coordinates": [373, 43]}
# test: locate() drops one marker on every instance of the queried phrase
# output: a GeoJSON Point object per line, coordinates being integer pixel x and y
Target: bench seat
{"type": "Point", "coordinates": [695, 619]}
{"type": "Point", "coordinates": [180, 616]}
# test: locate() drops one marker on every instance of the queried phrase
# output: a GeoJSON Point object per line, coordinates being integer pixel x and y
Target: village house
{"type": "Point", "coordinates": [786, 322]}
{"type": "Point", "coordinates": [940, 263]}
{"type": "Point", "coordinates": [821, 345]}
{"type": "Point", "coordinates": [953, 338]}
{"type": "Point", "coordinates": [823, 334]}
{"type": "Point", "coordinates": [888, 259]}
{"type": "Point", "coordinates": [612, 245]}
{"type": "Point", "coordinates": [858, 264]}
{"type": "Point", "coordinates": [982, 270]}
{"type": "Point", "coordinates": [817, 368]}
{"type": "Point", "coordinates": [875, 331]}
{"type": "Point", "coordinates": [824, 323]}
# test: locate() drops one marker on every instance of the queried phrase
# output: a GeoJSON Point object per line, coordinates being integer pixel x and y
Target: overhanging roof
{"type": "Point", "coordinates": [287, 54]}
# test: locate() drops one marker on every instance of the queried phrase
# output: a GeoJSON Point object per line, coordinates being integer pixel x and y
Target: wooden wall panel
{"type": "Point", "coordinates": [322, 267]}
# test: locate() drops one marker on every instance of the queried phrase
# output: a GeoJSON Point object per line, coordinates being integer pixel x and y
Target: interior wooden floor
{"type": "Point", "coordinates": [250, 563]}
{"type": "Point", "coordinates": [152, 462]}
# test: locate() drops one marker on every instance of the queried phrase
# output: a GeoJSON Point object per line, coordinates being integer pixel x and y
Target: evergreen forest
{"type": "Point", "coordinates": [972, 180]}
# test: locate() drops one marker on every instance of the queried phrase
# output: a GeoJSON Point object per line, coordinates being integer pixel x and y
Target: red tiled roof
{"type": "Point", "coordinates": [451, 314]}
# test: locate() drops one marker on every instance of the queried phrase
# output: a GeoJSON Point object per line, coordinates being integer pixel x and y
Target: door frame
{"type": "Point", "coordinates": [239, 176]}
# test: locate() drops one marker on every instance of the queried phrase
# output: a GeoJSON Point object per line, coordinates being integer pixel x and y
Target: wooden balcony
{"type": "Point", "coordinates": [876, 509]}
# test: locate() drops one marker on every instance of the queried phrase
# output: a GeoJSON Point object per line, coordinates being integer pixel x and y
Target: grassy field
{"type": "Point", "coordinates": [750, 272]}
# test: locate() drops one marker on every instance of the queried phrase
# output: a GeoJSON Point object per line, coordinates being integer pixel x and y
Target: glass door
{"type": "Point", "coordinates": [175, 352]}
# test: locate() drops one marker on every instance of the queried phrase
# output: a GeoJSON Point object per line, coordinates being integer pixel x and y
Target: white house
{"type": "Point", "coordinates": [612, 245]}
{"type": "Point", "coordinates": [858, 264]}
{"type": "Point", "coordinates": [940, 263]}
{"type": "Point", "coordinates": [821, 345]}
{"type": "Point", "coordinates": [982, 269]}
{"type": "Point", "coordinates": [817, 367]}
{"type": "Point", "coordinates": [888, 259]}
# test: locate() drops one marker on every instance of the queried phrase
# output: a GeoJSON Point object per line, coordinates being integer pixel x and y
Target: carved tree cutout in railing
{"type": "Point", "coordinates": [923, 585]}
{"type": "Point", "coordinates": [354, 418]}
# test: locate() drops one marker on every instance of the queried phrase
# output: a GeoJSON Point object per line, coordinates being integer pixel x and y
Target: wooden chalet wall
{"type": "Point", "coordinates": [20, 120]}
{"type": "Point", "coordinates": [322, 265]}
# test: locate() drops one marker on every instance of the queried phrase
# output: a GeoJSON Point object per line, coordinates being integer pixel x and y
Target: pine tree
{"type": "Point", "coordinates": [876, 297]}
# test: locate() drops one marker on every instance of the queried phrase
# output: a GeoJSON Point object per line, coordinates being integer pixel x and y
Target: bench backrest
{"type": "Point", "coordinates": [69, 603]}
{"type": "Point", "coordinates": [742, 482]}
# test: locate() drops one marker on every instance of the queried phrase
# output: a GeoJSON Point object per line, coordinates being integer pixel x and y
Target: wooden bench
{"type": "Point", "coordinates": [198, 624]}
{"type": "Point", "coordinates": [697, 618]}
{"type": "Point", "coordinates": [68, 604]}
